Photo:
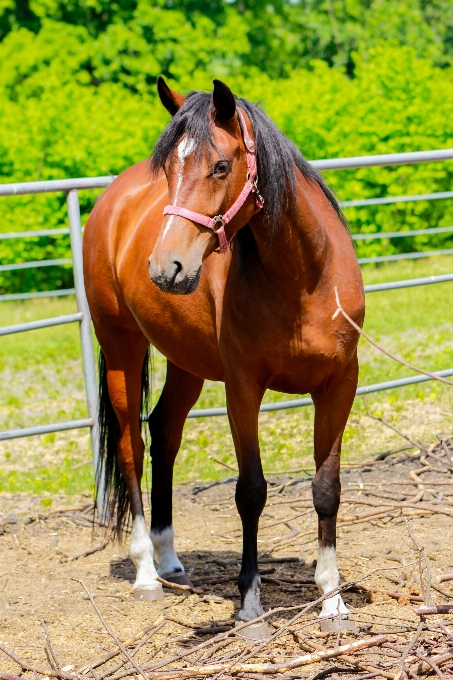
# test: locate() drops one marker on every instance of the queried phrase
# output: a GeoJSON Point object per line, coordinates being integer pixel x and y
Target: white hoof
{"type": "Point", "coordinates": [333, 607]}
{"type": "Point", "coordinates": [148, 593]}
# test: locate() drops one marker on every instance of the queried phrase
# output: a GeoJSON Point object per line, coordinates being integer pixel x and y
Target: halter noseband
{"type": "Point", "coordinates": [218, 222]}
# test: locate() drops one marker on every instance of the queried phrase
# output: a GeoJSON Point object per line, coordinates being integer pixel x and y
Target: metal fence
{"type": "Point", "coordinates": [72, 186]}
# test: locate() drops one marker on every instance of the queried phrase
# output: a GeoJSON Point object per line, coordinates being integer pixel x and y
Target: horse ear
{"type": "Point", "coordinates": [224, 100]}
{"type": "Point", "coordinates": [170, 99]}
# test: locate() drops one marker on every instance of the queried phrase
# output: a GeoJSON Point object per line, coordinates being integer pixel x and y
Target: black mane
{"type": "Point", "coordinates": [276, 155]}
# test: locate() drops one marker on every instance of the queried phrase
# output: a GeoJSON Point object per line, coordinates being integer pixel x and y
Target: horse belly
{"type": "Point", "coordinates": [313, 361]}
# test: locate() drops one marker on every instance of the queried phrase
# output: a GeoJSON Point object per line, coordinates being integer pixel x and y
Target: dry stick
{"type": "Point", "coordinates": [348, 659]}
{"type": "Point", "coordinates": [177, 586]}
{"type": "Point", "coordinates": [9, 676]}
{"type": "Point", "coordinates": [133, 652]}
{"type": "Point", "coordinates": [418, 632]}
{"type": "Point", "coordinates": [389, 593]}
{"type": "Point", "coordinates": [444, 628]}
{"type": "Point", "coordinates": [89, 551]}
{"type": "Point", "coordinates": [118, 642]}
{"type": "Point", "coordinates": [27, 667]}
{"type": "Point", "coordinates": [433, 609]}
{"type": "Point", "coordinates": [438, 660]}
{"type": "Point", "coordinates": [222, 636]}
{"type": "Point", "coordinates": [392, 427]}
{"type": "Point", "coordinates": [50, 646]}
{"type": "Point", "coordinates": [340, 310]}
{"type": "Point", "coordinates": [226, 465]}
{"type": "Point", "coordinates": [431, 663]}
{"type": "Point", "coordinates": [446, 577]}
{"type": "Point", "coordinates": [446, 451]}
{"type": "Point", "coordinates": [268, 669]}
{"type": "Point", "coordinates": [386, 454]}
{"type": "Point", "coordinates": [111, 655]}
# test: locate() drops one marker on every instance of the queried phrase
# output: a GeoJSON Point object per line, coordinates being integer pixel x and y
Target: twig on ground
{"type": "Point", "coordinates": [427, 593]}
{"type": "Point", "coordinates": [364, 666]}
{"type": "Point", "coordinates": [176, 586]}
{"type": "Point", "coordinates": [28, 667]}
{"type": "Point", "coordinates": [226, 465]}
{"type": "Point", "coordinates": [416, 445]}
{"type": "Point", "coordinates": [268, 669]}
{"type": "Point", "coordinates": [50, 646]}
{"type": "Point", "coordinates": [434, 609]}
{"type": "Point", "coordinates": [89, 551]}
{"type": "Point", "coordinates": [446, 451]}
{"type": "Point", "coordinates": [431, 663]}
{"type": "Point", "coordinates": [118, 642]}
{"type": "Point", "coordinates": [111, 655]}
{"type": "Point", "coordinates": [445, 577]}
{"type": "Point", "coordinates": [133, 652]}
{"type": "Point", "coordinates": [386, 454]}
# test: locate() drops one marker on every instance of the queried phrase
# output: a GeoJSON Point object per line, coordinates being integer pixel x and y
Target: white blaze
{"type": "Point", "coordinates": [185, 148]}
{"type": "Point", "coordinates": [166, 557]}
{"type": "Point", "coordinates": [327, 578]}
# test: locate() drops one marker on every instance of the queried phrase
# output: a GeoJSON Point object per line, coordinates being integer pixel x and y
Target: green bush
{"type": "Point", "coordinates": [77, 98]}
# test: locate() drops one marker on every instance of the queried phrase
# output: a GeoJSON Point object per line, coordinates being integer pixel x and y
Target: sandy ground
{"type": "Point", "coordinates": [36, 583]}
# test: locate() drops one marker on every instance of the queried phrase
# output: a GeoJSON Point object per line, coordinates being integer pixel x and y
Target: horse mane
{"type": "Point", "coordinates": [276, 155]}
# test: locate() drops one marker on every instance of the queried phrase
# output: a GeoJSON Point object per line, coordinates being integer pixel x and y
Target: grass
{"type": "Point", "coordinates": [42, 381]}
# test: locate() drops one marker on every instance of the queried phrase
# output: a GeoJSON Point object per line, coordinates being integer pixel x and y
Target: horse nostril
{"type": "Point", "coordinates": [178, 266]}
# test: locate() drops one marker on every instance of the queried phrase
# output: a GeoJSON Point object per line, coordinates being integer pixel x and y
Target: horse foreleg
{"type": "Point", "coordinates": [124, 370]}
{"type": "Point", "coordinates": [166, 424]}
{"type": "Point", "coordinates": [244, 399]}
{"type": "Point", "coordinates": [332, 410]}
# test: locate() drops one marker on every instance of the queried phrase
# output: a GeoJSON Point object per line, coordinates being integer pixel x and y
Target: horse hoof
{"type": "Point", "coordinates": [180, 578]}
{"type": "Point", "coordinates": [149, 593]}
{"type": "Point", "coordinates": [256, 631]}
{"type": "Point", "coordinates": [335, 626]}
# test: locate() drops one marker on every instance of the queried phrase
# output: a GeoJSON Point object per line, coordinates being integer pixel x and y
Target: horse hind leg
{"type": "Point", "coordinates": [166, 424]}
{"type": "Point", "coordinates": [331, 414]}
{"type": "Point", "coordinates": [122, 452]}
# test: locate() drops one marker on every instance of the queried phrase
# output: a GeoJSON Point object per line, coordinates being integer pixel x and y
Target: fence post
{"type": "Point", "coordinates": [89, 369]}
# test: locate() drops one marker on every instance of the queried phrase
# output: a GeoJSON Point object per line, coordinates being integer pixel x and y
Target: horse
{"type": "Point", "coordinates": [222, 251]}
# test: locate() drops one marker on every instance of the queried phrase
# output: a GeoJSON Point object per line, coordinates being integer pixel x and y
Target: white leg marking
{"type": "Point", "coordinates": [185, 148]}
{"type": "Point", "coordinates": [142, 555]}
{"type": "Point", "coordinates": [167, 560]}
{"type": "Point", "coordinates": [327, 578]}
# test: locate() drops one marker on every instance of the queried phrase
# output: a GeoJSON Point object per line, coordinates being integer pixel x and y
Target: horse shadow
{"type": "Point", "coordinates": [214, 574]}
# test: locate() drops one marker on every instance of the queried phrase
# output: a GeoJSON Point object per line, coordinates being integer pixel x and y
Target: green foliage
{"type": "Point", "coordinates": [340, 77]}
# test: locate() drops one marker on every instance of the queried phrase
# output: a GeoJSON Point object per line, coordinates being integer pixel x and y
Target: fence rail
{"type": "Point", "coordinates": [72, 186]}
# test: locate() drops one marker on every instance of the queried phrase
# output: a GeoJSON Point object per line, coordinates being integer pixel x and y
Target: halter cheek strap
{"type": "Point", "coordinates": [218, 222]}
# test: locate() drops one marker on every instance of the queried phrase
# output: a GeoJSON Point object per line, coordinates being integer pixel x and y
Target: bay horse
{"type": "Point", "coordinates": [161, 267]}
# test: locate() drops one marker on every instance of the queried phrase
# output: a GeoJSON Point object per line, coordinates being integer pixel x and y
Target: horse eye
{"type": "Point", "coordinates": [221, 167]}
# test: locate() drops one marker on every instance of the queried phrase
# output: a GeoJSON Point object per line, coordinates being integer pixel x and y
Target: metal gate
{"type": "Point", "coordinates": [82, 316]}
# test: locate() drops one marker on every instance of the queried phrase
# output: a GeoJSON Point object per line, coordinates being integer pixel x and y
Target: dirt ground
{"type": "Point", "coordinates": [36, 577]}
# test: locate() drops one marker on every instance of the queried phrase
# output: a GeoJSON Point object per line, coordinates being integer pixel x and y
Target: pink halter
{"type": "Point", "coordinates": [218, 222]}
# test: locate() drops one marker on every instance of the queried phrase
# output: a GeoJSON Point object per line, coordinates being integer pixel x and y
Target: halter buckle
{"type": "Point", "coordinates": [218, 220]}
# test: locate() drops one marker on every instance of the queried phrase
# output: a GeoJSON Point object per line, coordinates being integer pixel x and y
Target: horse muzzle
{"type": "Point", "coordinates": [172, 278]}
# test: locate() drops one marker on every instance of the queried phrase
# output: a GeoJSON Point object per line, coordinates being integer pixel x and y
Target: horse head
{"type": "Point", "coordinates": [208, 157]}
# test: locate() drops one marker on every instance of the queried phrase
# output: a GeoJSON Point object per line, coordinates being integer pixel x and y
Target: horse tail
{"type": "Point", "coordinates": [112, 500]}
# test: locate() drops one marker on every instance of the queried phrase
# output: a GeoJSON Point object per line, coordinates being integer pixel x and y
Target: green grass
{"type": "Point", "coordinates": [42, 381]}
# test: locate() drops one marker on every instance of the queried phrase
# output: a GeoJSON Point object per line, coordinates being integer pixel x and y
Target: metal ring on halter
{"type": "Point", "coordinates": [256, 191]}
{"type": "Point", "coordinates": [218, 219]}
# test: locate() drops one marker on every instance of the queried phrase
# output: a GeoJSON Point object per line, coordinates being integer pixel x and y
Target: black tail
{"type": "Point", "coordinates": [111, 493]}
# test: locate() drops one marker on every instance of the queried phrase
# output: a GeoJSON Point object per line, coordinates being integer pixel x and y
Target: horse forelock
{"type": "Point", "coordinates": [277, 156]}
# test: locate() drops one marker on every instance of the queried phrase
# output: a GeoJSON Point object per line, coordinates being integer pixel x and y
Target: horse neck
{"type": "Point", "coordinates": [297, 251]}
